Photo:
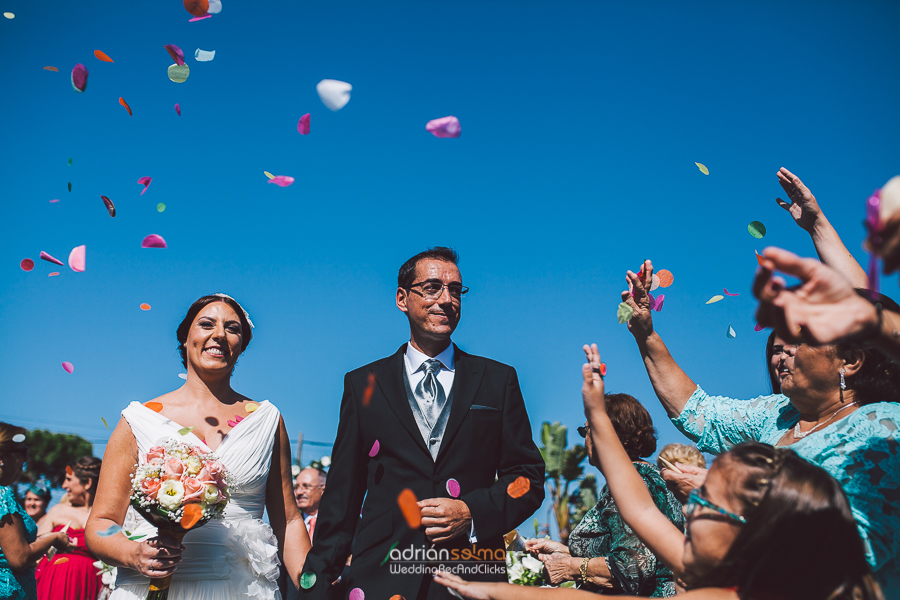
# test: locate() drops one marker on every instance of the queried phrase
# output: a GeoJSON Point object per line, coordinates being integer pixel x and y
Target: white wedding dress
{"type": "Point", "coordinates": [234, 558]}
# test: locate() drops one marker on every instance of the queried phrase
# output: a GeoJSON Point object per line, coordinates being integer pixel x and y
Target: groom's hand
{"type": "Point", "coordinates": [445, 518]}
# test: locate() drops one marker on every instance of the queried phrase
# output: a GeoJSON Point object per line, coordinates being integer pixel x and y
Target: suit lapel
{"type": "Point", "coordinates": [389, 380]}
{"type": "Point", "coordinates": [466, 382]}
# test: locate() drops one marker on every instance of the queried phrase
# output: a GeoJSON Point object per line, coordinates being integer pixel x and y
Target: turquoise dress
{"type": "Point", "coordinates": [16, 585]}
{"type": "Point", "coordinates": [861, 451]}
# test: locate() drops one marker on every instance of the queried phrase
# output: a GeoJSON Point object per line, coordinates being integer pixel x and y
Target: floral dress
{"type": "Point", "coordinates": [861, 451]}
{"type": "Point", "coordinates": [603, 533]}
{"type": "Point", "coordinates": [16, 585]}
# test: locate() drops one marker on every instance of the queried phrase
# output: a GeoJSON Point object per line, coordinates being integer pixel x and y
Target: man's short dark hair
{"type": "Point", "coordinates": [407, 275]}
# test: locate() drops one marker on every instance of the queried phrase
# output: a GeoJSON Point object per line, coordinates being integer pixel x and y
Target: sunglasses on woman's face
{"type": "Point", "coordinates": [583, 431]}
{"type": "Point", "coordinates": [695, 500]}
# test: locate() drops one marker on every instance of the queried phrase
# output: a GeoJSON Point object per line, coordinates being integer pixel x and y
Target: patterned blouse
{"type": "Point", "coordinates": [16, 585]}
{"type": "Point", "coordinates": [861, 451]}
{"type": "Point", "coordinates": [603, 533]}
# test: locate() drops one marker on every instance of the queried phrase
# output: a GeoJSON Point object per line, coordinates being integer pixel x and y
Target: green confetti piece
{"type": "Point", "coordinates": [757, 229]}
{"type": "Point", "coordinates": [715, 299]}
{"type": "Point", "coordinates": [160, 207]}
{"type": "Point", "coordinates": [105, 423]}
{"type": "Point", "coordinates": [70, 161]}
{"type": "Point", "coordinates": [535, 527]}
{"type": "Point", "coordinates": [731, 333]}
{"type": "Point", "coordinates": [307, 580]}
{"type": "Point", "coordinates": [179, 73]}
{"type": "Point", "coordinates": [185, 430]}
{"type": "Point", "coordinates": [625, 312]}
{"type": "Point", "coordinates": [702, 168]}
{"type": "Point", "coordinates": [388, 556]}
{"type": "Point", "coordinates": [135, 538]}
{"type": "Point", "coordinates": [70, 186]}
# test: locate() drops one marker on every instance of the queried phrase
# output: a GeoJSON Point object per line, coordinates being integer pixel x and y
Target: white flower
{"type": "Point", "coordinates": [532, 564]}
{"type": "Point", "coordinates": [193, 465]}
{"type": "Point", "coordinates": [516, 571]}
{"type": "Point", "coordinates": [326, 461]}
{"type": "Point", "coordinates": [295, 470]}
{"type": "Point", "coordinates": [171, 492]}
{"type": "Point", "coordinates": [211, 494]}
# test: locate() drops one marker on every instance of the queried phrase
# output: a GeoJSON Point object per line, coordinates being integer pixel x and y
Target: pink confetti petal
{"type": "Point", "coordinates": [76, 259]}
{"type": "Point", "coordinates": [176, 53]}
{"type": "Point", "coordinates": [49, 258]}
{"type": "Point", "coordinates": [68, 367]}
{"type": "Point", "coordinates": [453, 488]}
{"type": "Point", "coordinates": [375, 448]}
{"type": "Point", "coordinates": [357, 594]}
{"type": "Point", "coordinates": [153, 241]}
{"type": "Point", "coordinates": [54, 201]}
{"type": "Point", "coordinates": [27, 264]}
{"type": "Point", "coordinates": [659, 302]}
{"type": "Point", "coordinates": [178, 110]}
{"type": "Point", "coordinates": [727, 293]}
{"type": "Point", "coordinates": [53, 274]}
{"type": "Point", "coordinates": [283, 181]}
{"type": "Point", "coordinates": [206, 16]}
{"type": "Point", "coordinates": [303, 125]}
{"type": "Point", "coordinates": [79, 77]}
{"type": "Point", "coordinates": [445, 127]}
{"type": "Point", "coordinates": [651, 298]}
{"type": "Point", "coordinates": [145, 181]}
{"type": "Point", "coordinates": [758, 327]}
{"type": "Point", "coordinates": [110, 207]}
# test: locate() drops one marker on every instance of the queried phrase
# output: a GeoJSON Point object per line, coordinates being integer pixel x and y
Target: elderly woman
{"type": "Point", "coordinates": [836, 409]}
{"type": "Point", "coordinates": [603, 553]}
{"type": "Point", "coordinates": [37, 498]}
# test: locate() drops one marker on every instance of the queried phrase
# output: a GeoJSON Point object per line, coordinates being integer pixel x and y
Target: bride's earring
{"type": "Point", "coordinates": [843, 383]}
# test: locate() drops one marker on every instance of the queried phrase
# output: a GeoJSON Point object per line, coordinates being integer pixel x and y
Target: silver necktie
{"type": "Point", "coordinates": [430, 393]}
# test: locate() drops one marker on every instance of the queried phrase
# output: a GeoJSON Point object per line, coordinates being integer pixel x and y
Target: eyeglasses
{"type": "Point", "coordinates": [305, 487]}
{"type": "Point", "coordinates": [583, 431]}
{"type": "Point", "coordinates": [789, 349]}
{"type": "Point", "coordinates": [695, 500]}
{"type": "Point", "coordinates": [433, 289]}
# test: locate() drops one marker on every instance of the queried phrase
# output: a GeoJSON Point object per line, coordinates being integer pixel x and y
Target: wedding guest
{"type": "Point", "coordinates": [308, 488]}
{"type": "Point", "coordinates": [837, 409]}
{"type": "Point", "coordinates": [448, 426]}
{"type": "Point", "coordinates": [20, 545]}
{"type": "Point", "coordinates": [603, 554]}
{"type": "Point", "coordinates": [37, 498]}
{"type": "Point", "coordinates": [685, 458]}
{"type": "Point", "coordinates": [71, 575]}
{"type": "Point", "coordinates": [765, 525]}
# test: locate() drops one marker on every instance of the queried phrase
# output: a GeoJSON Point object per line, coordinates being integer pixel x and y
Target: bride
{"type": "Point", "coordinates": [233, 558]}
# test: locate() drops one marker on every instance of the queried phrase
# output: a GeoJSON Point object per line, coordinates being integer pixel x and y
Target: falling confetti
{"type": "Point", "coordinates": [125, 104]}
{"type": "Point", "coordinates": [144, 181]}
{"type": "Point", "coordinates": [410, 508]}
{"type": "Point", "coordinates": [702, 168]}
{"type": "Point", "coordinates": [79, 77]}
{"type": "Point", "coordinates": [654, 282]}
{"type": "Point", "coordinates": [102, 56]}
{"type": "Point", "coordinates": [153, 241]}
{"type": "Point", "coordinates": [204, 55]}
{"type": "Point", "coordinates": [307, 580]}
{"type": "Point", "coordinates": [70, 186]}
{"type": "Point", "coordinates": [53, 274]}
{"type": "Point", "coordinates": [269, 175]}
{"type": "Point", "coordinates": [70, 161]}
{"type": "Point", "coordinates": [185, 430]}
{"type": "Point", "coordinates": [61, 561]}
{"type": "Point", "coordinates": [9, 15]}
{"type": "Point", "coordinates": [727, 293]}
{"type": "Point", "coordinates": [197, 8]}
{"type": "Point", "coordinates": [602, 369]}
{"type": "Point", "coordinates": [109, 206]}
{"type": "Point", "coordinates": [54, 69]}
{"type": "Point", "coordinates": [659, 302]}
{"type": "Point", "coordinates": [176, 53]}
{"type": "Point", "coordinates": [215, 7]}
{"type": "Point", "coordinates": [356, 594]}
{"type": "Point", "coordinates": [665, 278]}
{"type": "Point", "coordinates": [18, 438]}
{"type": "Point", "coordinates": [145, 306]}
{"type": "Point", "coordinates": [282, 180]}
{"type": "Point", "coordinates": [251, 407]}
{"type": "Point", "coordinates": [76, 259]}
{"type": "Point", "coordinates": [445, 127]}
{"type": "Point", "coordinates": [183, 376]}
{"type": "Point", "coordinates": [757, 229]}
{"type": "Point", "coordinates": [111, 530]}
{"type": "Point", "coordinates": [758, 327]}
{"type": "Point", "coordinates": [759, 258]}
{"type": "Point", "coordinates": [715, 299]}
{"type": "Point", "coordinates": [370, 388]}
{"type": "Point", "coordinates": [179, 73]}
{"type": "Point", "coordinates": [625, 312]}
{"type": "Point", "coordinates": [303, 124]}
{"type": "Point", "coordinates": [177, 109]}
{"type": "Point", "coordinates": [453, 488]}
{"type": "Point", "coordinates": [375, 448]}
{"type": "Point", "coordinates": [68, 367]}
{"type": "Point", "coordinates": [191, 516]}
{"type": "Point", "coordinates": [199, 18]}
{"type": "Point", "coordinates": [27, 264]}
{"type": "Point", "coordinates": [386, 558]}
{"type": "Point", "coordinates": [105, 424]}
{"type": "Point", "coordinates": [519, 487]}
{"type": "Point", "coordinates": [48, 258]}
{"type": "Point", "coordinates": [730, 334]}
{"type": "Point", "coordinates": [334, 94]}
{"type": "Point", "coordinates": [154, 406]}
{"type": "Point", "coordinates": [160, 207]}
{"type": "Point", "coordinates": [54, 201]}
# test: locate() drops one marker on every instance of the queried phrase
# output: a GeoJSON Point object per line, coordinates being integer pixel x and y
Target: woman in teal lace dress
{"type": "Point", "coordinates": [604, 554]}
{"type": "Point", "coordinates": [19, 545]}
{"type": "Point", "coordinates": [837, 408]}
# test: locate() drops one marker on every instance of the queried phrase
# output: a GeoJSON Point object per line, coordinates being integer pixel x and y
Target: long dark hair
{"type": "Point", "coordinates": [800, 539]}
{"type": "Point", "coordinates": [185, 326]}
{"type": "Point", "coordinates": [87, 469]}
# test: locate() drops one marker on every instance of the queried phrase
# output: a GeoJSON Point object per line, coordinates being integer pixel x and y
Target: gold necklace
{"type": "Point", "coordinates": [799, 435]}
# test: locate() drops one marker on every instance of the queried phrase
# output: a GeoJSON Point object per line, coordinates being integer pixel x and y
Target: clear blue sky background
{"type": "Point", "coordinates": [581, 125]}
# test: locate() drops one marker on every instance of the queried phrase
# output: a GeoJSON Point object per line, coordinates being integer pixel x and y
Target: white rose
{"type": "Point", "coordinates": [516, 571]}
{"type": "Point", "coordinates": [193, 465]}
{"type": "Point", "coordinates": [211, 494]}
{"type": "Point", "coordinates": [532, 564]}
{"type": "Point", "coordinates": [295, 470]}
{"type": "Point", "coordinates": [326, 461]}
{"type": "Point", "coordinates": [171, 492]}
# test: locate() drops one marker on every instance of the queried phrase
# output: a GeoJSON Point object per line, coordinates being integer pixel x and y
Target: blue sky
{"type": "Point", "coordinates": [581, 124]}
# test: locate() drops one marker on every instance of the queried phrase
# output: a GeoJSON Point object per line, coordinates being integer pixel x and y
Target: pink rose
{"type": "Point", "coordinates": [150, 487]}
{"type": "Point", "coordinates": [214, 468]}
{"type": "Point", "coordinates": [193, 489]}
{"type": "Point", "coordinates": [173, 468]}
{"type": "Point", "coordinates": [156, 452]}
{"type": "Point", "coordinates": [204, 477]}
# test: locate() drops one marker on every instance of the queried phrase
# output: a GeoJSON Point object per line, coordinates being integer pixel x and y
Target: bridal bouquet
{"type": "Point", "coordinates": [177, 488]}
{"type": "Point", "coordinates": [524, 569]}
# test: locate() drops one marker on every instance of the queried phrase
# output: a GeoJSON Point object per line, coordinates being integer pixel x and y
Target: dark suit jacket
{"type": "Point", "coordinates": [487, 444]}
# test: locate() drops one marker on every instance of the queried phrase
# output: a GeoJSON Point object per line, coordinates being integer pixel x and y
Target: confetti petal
{"type": "Point", "coordinates": [204, 55]}
{"type": "Point", "coordinates": [18, 438]}
{"type": "Point", "coordinates": [153, 241]}
{"type": "Point", "coordinates": [54, 201]}
{"type": "Point", "coordinates": [356, 594]}
{"type": "Point", "coordinates": [654, 282]}
{"type": "Point", "coordinates": [111, 530]}
{"type": "Point", "coordinates": [453, 488]}
{"type": "Point", "coordinates": [53, 274]}
{"type": "Point", "coordinates": [79, 78]}
{"type": "Point", "coordinates": [307, 580]}
{"type": "Point", "coordinates": [730, 334]}
{"type": "Point", "coordinates": [282, 180]}
{"type": "Point", "coordinates": [269, 175]}
{"type": "Point", "coordinates": [27, 264]}
{"type": "Point", "coordinates": [125, 104]}
{"type": "Point", "coordinates": [102, 56]}
{"type": "Point", "coordinates": [105, 424]}
{"type": "Point", "coordinates": [9, 15]}
{"type": "Point", "coordinates": [758, 327]}
{"type": "Point", "coordinates": [624, 313]}
{"type": "Point", "coordinates": [76, 259]}
{"type": "Point", "coordinates": [445, 127]}
{"type": "Point", "coordinates": [652, 301]}
{"type": "Point", "coordinates": [375, 448]}
{"type": "Point", "coordinates": [154, 406]}
{"type": "Point", "coordinates": [702, 168]}
{"type": "Point", "coordinates": [177, 109]}
{"type": "Point", "coordinates": [183, 376]}
{"type": "Point", "coordinates": [303, 124]}
{"type": "Point", "coordinates": [191, 516]}
{"type": "Point", "coordinates": [757, 229]}
{"type": "Point", "coordinates": [109, 206]}
{"type": "Point", "coordinates": [199, 18]}
{"type": "Point", "coordinates": [69, 471]}
{"type": "Point", "coordinates": [197, 8]}
{"type": "Point", "coordinates": [61, 561]}
{"type": "Point", "coordinates": [215, 7]}
{"type": "Point", "coordinates": [179, 73]}
{"type": "Point", "coordinates": [251, 407]}
{"type": "Point", "coordinates": [715, 299]}
{"type": "Point", "coordinates": [70, 161]}
{"type": "Point", "coordinates": [602, 369]}
{"type": "Point", "coordinates": [370, 388]}
{"type": "Point", "coordinates": [409, 505]}
{"type": "Point", "coordinates": [160, 207]}
{"type": "Point", "coordinates": [144, 181]}
{"type": "Point", "coordinates": [665, 278]}
{"type": "Point", "coordinates": [185, 430]}
{"type": "Point", "coordinates": [334, 94]}
{"type": "Point", "coordinates": [70, 186]}
{"type": "Point", "coordinates": [68, 367]}
{"type": "Point", "coordinates": [54, 69]}
{"type": "Point", "coordinates": [519, 487]}
{"type": "Point", "coordinates": [145, 306]}
{"type": "Point", "coordinates": [659, 302]}
{"type": "Point", "coordinates": [49, 258]}
{"type": "Point", "coordinates": [386, 558]}
{"type": "Point", "coordinates": [727, 293]}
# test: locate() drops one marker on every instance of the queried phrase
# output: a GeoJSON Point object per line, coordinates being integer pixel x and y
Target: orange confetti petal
{"type": "Point", "coordinates": [410, 507]}
{"type": "Point", "coordinates": [61, 561]}
{"type": "Point", "coordinates": [192, 515]}
{"type": "Point", "coordinates": [102, 56]}
{"type": "Point", "coordinates": [367, 397]}
{"type": "Point", "coordinates": [69, 471]}
{"type": "Point", "coordinates": [53, 274]}
{"type": "Point", "coordinates": [54, 69]}
{"type": "Point", "coordinates": [198, 8]}
{"type": "Point", "coordinates": [519, 487]}
{"type": "Point", "coordinates": [759, 258]}
{"type": "Point", "coordinates": [125, 104]}
{"type": "Point", "coordinates": [665, 278]}
{"type": "Point", "coordinates": [154, 406]}
{"type": "Point", "coordinates": [145, 306]}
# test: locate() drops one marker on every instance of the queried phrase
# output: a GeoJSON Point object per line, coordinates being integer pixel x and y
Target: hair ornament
{"type": "Point", "coordinates": [246, 316]}
{"type": "Point", "coordinates": [18, 438]}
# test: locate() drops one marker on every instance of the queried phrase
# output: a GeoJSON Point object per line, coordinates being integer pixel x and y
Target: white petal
{"type": "Point", "coordinates": [334, 94]}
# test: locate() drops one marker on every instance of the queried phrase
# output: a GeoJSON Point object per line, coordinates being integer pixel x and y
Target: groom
{"type": "Point", "coordinates": [447, 425]}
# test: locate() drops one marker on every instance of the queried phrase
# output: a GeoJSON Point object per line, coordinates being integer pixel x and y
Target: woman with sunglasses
{"type": "Point", "coordinates": [20, 546]}
{"type": "Point", "coordinates": [765, 525]}
{"type": "Point", "coordinates": [603, 554]}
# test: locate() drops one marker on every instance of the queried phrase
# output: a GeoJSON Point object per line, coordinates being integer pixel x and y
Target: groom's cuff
{"type": "Point", "coordinates": [473, 538]}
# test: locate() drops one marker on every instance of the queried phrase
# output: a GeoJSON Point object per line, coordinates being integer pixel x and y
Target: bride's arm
{"type": "Point", "coordinates": [284, 516]}
{"type": "Point", "coordinates": [156, 557]}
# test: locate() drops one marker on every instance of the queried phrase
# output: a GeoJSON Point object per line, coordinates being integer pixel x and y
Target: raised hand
{"type": "Point", "coordinates": [803, 206]}
{"type": "Point", "coordinates": [592, 391]}
{"type": "Point", "coordinates": [691, 477]}
{"type": "Point", "coordinates": [641, 323]}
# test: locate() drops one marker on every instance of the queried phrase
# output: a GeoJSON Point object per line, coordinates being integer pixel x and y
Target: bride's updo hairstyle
{"type": "Point", "coordinates": [196, 307]}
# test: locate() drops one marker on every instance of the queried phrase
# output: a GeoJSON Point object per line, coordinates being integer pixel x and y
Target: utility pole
{"type": "Point", "coordinates": [300, 449]}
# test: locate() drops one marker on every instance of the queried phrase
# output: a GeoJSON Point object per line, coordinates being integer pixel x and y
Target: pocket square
{"type": "Point", "coordinates": [480, 407]}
